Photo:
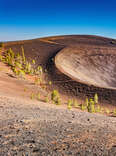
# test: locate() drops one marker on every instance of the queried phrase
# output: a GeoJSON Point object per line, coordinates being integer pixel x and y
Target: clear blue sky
{"type": "Point", "coordinates": [26, 19]}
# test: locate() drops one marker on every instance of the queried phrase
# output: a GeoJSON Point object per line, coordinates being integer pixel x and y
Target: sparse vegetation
{"type": "Point", "coordinates": [50, 82]}
{"type": "Point", "coordinates": [55, 97]}
{"type": "Point", "coordinates": [32, 96]}
{"type": "Point", "coordinates": [54, 94]}
{"type": "Point", "coordinates": [25, 89]}
{"type": "Point", "coordinates": [39, 70]}
{"type": "Point", "coordinates": [19, 64]}
{"type": "Point", "coordinates": [114, 112]}
{"type": "Point", "coordinates": [91, 106]}
{"type": "Point", "coordinates": [38, 96]}
{"type": "Point", "coordinates": [113, 41]}
{"type": "Point", "coordinates": [58, 101]}
{"type": "Point", "coordinates": [37, 80]}
{"type": "Point", "coordinates": [47, 99]}
{"type": "Point", "coordinates": [107, 111]}
{"type": "Point", "coordinates": [33, 61]}
{"type": "Point", "coordinates": [83, 107]}
{"type": "Point", "coordinates": [1, 45]}
{"type": "Point", "coordinates": [69, 105]}
{"type": "Point", "coordinates": [86, 102]}
{"type": "Point", "coordinates": [96, 98]}
{"type": "Point", "coordinates": [23, 56]}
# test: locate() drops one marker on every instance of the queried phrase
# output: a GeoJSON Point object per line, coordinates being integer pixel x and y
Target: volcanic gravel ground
{"type": "Point", "coordinates": [35, 128]}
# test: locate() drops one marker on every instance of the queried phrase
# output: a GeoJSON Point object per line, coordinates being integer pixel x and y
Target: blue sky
{"type": "Point", "coordinates": [26, 19]}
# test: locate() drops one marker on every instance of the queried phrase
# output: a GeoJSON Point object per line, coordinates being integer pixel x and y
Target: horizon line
{"type": "Point", "coordinates": [45, 36]}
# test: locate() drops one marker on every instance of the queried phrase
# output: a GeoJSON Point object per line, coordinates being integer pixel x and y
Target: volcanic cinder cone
{"type": "Point", "coordinates": [91, 65]}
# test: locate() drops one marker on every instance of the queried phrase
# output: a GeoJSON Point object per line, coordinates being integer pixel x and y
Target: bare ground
{"type": "Point", "coordinates": [35, 128]}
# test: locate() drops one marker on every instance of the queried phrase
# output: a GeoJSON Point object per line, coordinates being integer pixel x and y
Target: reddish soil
{"type": "Point", "coordinates": [31, 127]}
{"type": "Point", "coordinates": [44, 51]}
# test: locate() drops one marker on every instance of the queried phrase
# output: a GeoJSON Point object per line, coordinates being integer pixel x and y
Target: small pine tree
{"type": "Point", "coordinates": [96, 98]}
{"type": "Point", "coordinates": [91, 106]}
{"type": "Point", "coordinates": [1, 58]}
{"type": "Point", "coordinates": [114, 112]}
{"type": "Point", "coordinates": [54, 95]}
{"type": "Point", "coordinates": [21, 73]}
{"type": "Point", "coordinates": [37, 80]}
{"type": "Point", "coordinates": [70, 104]}
{"type": "Point", "coordinates": [1, 45]}
{"type": "Point", "coordinates": [83, 107]}
{"type": "Point", "coordinates": [23, 55]}
{"type": "Point", "coordinates": [38, 96]}
{"type": "Point", "coordinates": [50, 82]}
{"type": "Point", "coordinates": [46, 99]}
{"type": "Point", "coordinates": [58, 101]}
{"type": "Point", "coordinates": [40, 70]}
{"type": "Point", "coordinates": [86, 102]}
{"type": "Point", "coordinates": [33, 61]}
{"type": "Point", "coordinates": [107, 111]}
{"type": "Point", "coordinates": [32, 96]}
{"type": "Point", "coordinates": [25, 89]}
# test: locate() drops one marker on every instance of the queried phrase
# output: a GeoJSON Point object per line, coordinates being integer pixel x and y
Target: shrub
{"type": "Point", "coordinates": [107, 111]}
{"type": "Point", "coordinates": [38, 96]}
{"type": "Point", "coordinates": [86, 102]}
{"type": "Point", "coordinates": [114, 112]}
{"type": "Point", "coordinates": [1, 58]}
{"type": "Point", "coordinates": [46, 99]}
{"type": "Point", "coordinates": [33, 61]}
{"type": "Point", "coordinates": [39, 70]}
{"type": "Point", "coordinates": [54, 95]}
{"type": "Point", "coordinates": [25, 89]}
{"type": "Point", "coordinates": [58, 101]}
{"type": "Point", "coordinates": [23, 55]}
{"type": "Point", "coordinates": [21, 73]}
{"type": "Point", "coordinates": [19, 64]}
{"type": "Point", "coordinates": [83, 107]}
{"type": "Point", "coordinates": [32, 96]}
{"type": "Point", "coordinates": [91, 106]}
{"type": "Point", "coordinates": [50, 82]}
{"type": "Point", "coordinates": [113, 41]}
{"type": "Point", "coordinates": [1, 45]}
{"type": "Point", "coordinates": [96, 98]}
{"type": "Point", "coordinates": [37, 80]}
{"type": "Point", "coordinates": [70, 104]}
